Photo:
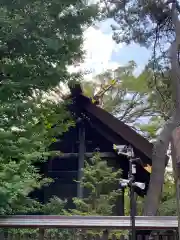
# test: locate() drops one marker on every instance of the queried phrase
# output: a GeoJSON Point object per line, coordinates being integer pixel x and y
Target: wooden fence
{"type": "Point", "coordinates": [90, 228]}
{"type": "Point", "coordinates": [105, 236]}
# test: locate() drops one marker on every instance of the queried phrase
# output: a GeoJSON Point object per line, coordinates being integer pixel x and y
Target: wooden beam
{"type": "Point", "coordinates": [81, 157]}
{"type": "Point", "coordinates": [89, 155]}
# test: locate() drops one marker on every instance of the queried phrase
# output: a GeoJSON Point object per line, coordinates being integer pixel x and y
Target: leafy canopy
{"type": "Point", "coordinates": [38, 41]}
{"type": "Point", "coordinates": [100, 183]}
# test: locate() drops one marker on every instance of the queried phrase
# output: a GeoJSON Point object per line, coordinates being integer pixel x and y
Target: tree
{"type": "Point", "coordinates": [153, 24]}
{"type": "Point", "coordinates": [153, 109]}
{"type": "Point", "coordinates": [110, 90]}
{"type": "Point", "coordinates": [101, 189]}
{"type": "Point", "coordinates": [38, 41]}
{"type": "Point", "coordinates": [131, 99]}
{"type": "Point", "coordinates": [100, 183]}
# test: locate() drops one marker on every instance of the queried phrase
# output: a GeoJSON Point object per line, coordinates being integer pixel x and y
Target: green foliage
{"type": "Point", "coordinates": [100, 182]}
{"type": "Point", "coordinates": [132, 99]}
{"type": "Point", "coordinates": [38, 41]}
{"type": "Point", "coordinates": [55, 206]}
{"type": "Point", "coordinates": [151, 127]}
{"type": "Point", "coordinates": [168, 205]}
{"type": "Point", "coordinates": [139, 21]}
{"type": "Point", "coordinates": [137, 102]}
{"type": "Point", "coordinates": [101, 190]}
{"type": "Point", "coordinates": [147, 23]}
{"type": "Point", "coordinates": [125, 99]}
{"type": "Point", "coordinates": [22, 144]}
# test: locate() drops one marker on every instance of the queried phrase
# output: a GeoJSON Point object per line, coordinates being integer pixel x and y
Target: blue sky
{"type": "Point", "coordinates": [103, 53]}
{"type": "Point", "coordinates": [133, 52]}
{"type": "Point", "coordinates": [127, 53]}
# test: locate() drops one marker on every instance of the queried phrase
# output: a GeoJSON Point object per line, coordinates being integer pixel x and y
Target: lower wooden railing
{"type": "Point", "coordinates": [90, 228]}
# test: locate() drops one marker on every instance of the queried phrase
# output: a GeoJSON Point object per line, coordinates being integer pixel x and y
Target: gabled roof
{"type": "Point", "coordinates": [111, 127]}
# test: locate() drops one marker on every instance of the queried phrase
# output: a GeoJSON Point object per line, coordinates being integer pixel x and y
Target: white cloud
{"type": "Point", "coordinates": [139, 70]}
{"type": "Point", "coordinates": [93, 1]}
{"type": "Point", "coordinates": [99, 47]}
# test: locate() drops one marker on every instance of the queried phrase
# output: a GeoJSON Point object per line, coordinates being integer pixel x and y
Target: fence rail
{"type": "Point", "coordinates": [50, 221]}
{"type": "Point", "coordinates": [43, 227]}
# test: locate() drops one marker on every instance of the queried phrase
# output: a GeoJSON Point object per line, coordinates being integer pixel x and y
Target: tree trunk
{"type": "Point", "coordinates": [158, 168]}
{"type": "Point", "coordinates": [162, 143]}
{"type": "Point", "coordinates": [175, 153]}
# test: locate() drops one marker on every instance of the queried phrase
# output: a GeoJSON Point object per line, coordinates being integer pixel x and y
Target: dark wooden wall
{"type": "Point", "coordinates": [64, 171]}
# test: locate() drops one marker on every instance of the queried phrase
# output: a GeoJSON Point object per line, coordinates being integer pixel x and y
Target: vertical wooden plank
{"type": "Point", "coordinates": [17, 236]}
{"type": "Point", "coordinates": [33, 236]}
{"type": "Point", "coordinates": [156, 236]}
{"type": "Point", "coordinates": [77, 234]}
{"type": "Point", "coordinates": [41, 234]}
{"type": "Point", "coordinates": [105, 235]}
{"type": "Point", "coordinates": [9, 236]}
{"type": "Point", "coordinates": [139, 237]}
{"type": "Point", "coordinates": [113, 237]}
{"type": "Point", "coordinates": [173, 238]}
{"type": "Point", "coordinates": [122, 237]}
{"type": "Point", "coordinates": [161, 236]}
{"type": "Point", "coordinates": [81, 237]}
{"type": "Point", "coordinates": [174, 235]}
{"type": "Point", "coordinates": [12, 236]}
{"type": "Point", "coordinates": [81, 159]}
{"type": "Point", "coordinates": [147, 237]}
{"type": "Point", "coordinates": [97, 237]}
{"type": "Point", "coordinates": [118, 209]}
{"type": "Point", "coordinates": [169, 236]}
{"type": "Point", "coordinates": [151, 236]}
{"type": "Point", "coordinates": [89, 236]}
{"type": "Point", "coordinates": [56, 236]}
{"type": "Point", "coordinates": [165, 237]}
{"type": "Point", "coordinates": [48, 234]}
{"type": "Point", "coordinates": [5, 233]}
{"type": "Point", "coordinates": [2, 236]}
{"type": "Point", "coordinates": [26, 236]}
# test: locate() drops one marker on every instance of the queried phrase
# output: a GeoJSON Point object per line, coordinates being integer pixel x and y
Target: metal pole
{"type": "Point", "coordinates": [132, 200]}
{"type": "Point", "coordinates": [131, 182]}
{"type": "Point", "coordinates": [132, 171]}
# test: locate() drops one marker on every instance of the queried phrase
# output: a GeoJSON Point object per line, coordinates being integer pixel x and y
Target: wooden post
{"type": "Point", "coordinates": [81, 159]}
{"type": "Point", "coordinates": [41, 233]}
{"type": "Point", "coordinates": [175, 153]}
{"type": "Point", "coordinates": [119, 206]}
{"type": "Point", "coordinates": [105, 235]}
